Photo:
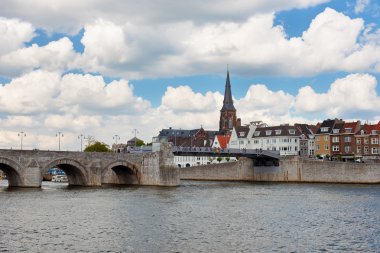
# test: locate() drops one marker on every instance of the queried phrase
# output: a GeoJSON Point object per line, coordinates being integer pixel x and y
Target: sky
{"type": "Point", "coordinates": [106, 68]}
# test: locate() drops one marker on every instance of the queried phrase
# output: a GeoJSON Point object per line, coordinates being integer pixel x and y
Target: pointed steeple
{"type": "Point", "coordinates": [228, 103]}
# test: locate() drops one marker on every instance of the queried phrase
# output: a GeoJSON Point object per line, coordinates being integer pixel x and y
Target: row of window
{"type": "Point", "coordinates": [347, 149]}
{"type": "Point", "coordinates": [277, 132]}
{"type": "Point", "coordinates": [335, 139]}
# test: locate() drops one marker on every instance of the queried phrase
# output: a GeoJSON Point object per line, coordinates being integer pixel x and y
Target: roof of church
{"type": "Point", "coordinates": [228, 103]}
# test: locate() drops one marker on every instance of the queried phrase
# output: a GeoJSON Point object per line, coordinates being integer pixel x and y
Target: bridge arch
{"type": "Point", "coordinates": [76, 173]}
{"type": "Point", "coordinates": [12, 170]}
{"type": "Point", "coordinates": [121, 172]}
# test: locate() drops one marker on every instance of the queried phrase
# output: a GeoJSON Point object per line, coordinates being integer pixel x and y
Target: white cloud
{"type": "Point", "coordinates": [351, 94]}
{"type": "Point", "coordinates": [13, 34]}
{"type": "Point", "coordinates": [55, 56]}
{"type": "Point", "coordinates": [361, 5]}
{"type": "Point", "coordinates": [70, 16]}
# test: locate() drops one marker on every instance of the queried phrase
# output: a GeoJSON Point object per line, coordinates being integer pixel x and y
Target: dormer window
{"type": "Point", "coordinates": [268, 132]}
{"type": "Point", "coordinates": [375, 131]}
{"type": "Point", "coordinates": [335, 131]}
{"type": "Point", "coordinates": [292, 131]}
{"type": "Point", "coordinates": [348, 130]}
{"type": "Point", "coordinates": [324, 129]}
{"type": "Point", "coordinates": [241, 134]}
{"type": "Point", "coordinates": [278, 132]}
{"type": "Point", "coordinates": [257, 133]}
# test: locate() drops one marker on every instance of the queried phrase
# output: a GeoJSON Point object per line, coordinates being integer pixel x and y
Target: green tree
{"type": "Point", "coordinates": [97, 147]}
{"type": "Point", "coordinates": [228, 158]}
{"type": "Point", "coordinates": [219, 159]}
{"type": "Point", "coordinates": [139, 143]}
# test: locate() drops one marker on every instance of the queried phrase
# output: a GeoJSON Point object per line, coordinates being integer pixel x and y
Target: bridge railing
{"type": "Point", "coordinates": [226, 151]}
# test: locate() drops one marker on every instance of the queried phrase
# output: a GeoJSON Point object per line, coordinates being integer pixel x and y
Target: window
{"type": "Point", "coordinates": [375, 151]}
{"type": "Point", "coordinates": [292, 131]}
{"type": "Point", "coordinates": [241, 134]}
{"type": "Point", "coordinates": [326, 146]}
{"type": "Point", "coordinates": [241, 142]}
{"type": "Point", "coordinates": [268, 132]}
{"type": "Point", "coordinates": [365, 140]}
{"type": "Point", "coordinates": [347, 149]}
{"type": "Point", "coordinates": [326, 138]}
{"type": "Point", "coordinates": [317, 138]}
{"type": "Point", "coordinates": [317, 147]}
{"type": "Point", "coordinates": [335, 131]}
{"type": "Point", "coordinates": [278, 132]}
{"type": "Point", "coordinates": [295, 140]}
{"type": "Point", "coordinates": [374, 141]}
{"type": "Point", "coordinates": [267, 141]}
{"type": "Point", "coordinates": [324, 129]}
{"type": "Point", "coordinates": [358, 149]}
{"type": "Point", "coordinates": [347, 139]}
{"type": "Point", "coordinates": [256, 141]}
{"type": "Point", "coordinates": [335, 148]}
{"type": "Point", "coordinates": [257, 133]}
{"type": "Point", "coordinates": [348, 130]}
{"type": "Point", "coordinates": [358, 141]}
{"type": "Point", "coordinates": [366, 150]}
{"type": "Point", "coordinates": [273, 140]}
{"type": "Point", "coordinates": [375, 131]}
{"type": "Point", "coordinates": [335, 139]}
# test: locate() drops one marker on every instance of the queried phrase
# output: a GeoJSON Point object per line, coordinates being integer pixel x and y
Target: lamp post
{"type": "Point", "coordinates": [116, 137]}
{"type": "Point", "coordinates": [135, 131]}
{"type": "Point", "coordinates": [59, 135]}
{"type": "Point", "coordinates": [22, 135]}
{"type": "Point", "coordinates": [81, 137]}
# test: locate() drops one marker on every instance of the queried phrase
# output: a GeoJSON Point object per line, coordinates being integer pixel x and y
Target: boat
{"type": "Point", "coordinates": [51, 172]}
{"type": "Point", "coordinates": [59, 178]}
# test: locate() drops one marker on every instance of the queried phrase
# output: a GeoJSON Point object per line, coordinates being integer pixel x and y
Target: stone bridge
{"type": "Point", "coordinates": [25, 168]}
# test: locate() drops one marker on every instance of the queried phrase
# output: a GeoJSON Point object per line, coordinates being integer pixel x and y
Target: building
{"type": "Point", "coordinates": [367, 141]}
{"type": "Point", "coordinates": [221, 141]}
{"type": "Point", "coordinates": [283, 138]}
{"type": "Point", "coordinates": [307, 143]}
{"type": "Point", "coordinates": [228, 119]}
{"type": "Point", "coordinates": [323, 141]}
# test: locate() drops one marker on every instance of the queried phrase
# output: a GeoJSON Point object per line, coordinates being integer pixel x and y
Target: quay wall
{"type": "Point", "coordinates": [291, 169]}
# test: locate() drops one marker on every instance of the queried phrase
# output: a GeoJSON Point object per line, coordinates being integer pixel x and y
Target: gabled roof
{"type": "Point", "coordinates": [242, 131]}
{"type": "Point", "coordinates": [354, 126]}
{"type": "Point", "coordinates": [330, 124]}
{"type": "Point", "coordinates": [283, 130]}
{"type": "Point", "coordinates": [367, 129]}
{"type": "Point", "coordinates": [223, 140]}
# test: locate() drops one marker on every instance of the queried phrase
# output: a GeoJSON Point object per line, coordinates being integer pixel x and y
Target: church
{"type": "Point", "coordinates": [205, 138]}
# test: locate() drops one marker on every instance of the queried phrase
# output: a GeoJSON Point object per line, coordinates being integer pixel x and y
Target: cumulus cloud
{"type": "Point", "coordinates": [55, 56]}
{"type": "Point", "coordinates": [333, 42]}
{"type": "Point", "coordinates": [346, 96]}
{"type": "Point", "coordinates": [13, 34]}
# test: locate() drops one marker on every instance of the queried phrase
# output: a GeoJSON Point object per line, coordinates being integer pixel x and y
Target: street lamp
{"type": "Point", "coordinates": [135, 131]}
{"type": "Point", "coordinates": [81, 137]}
{"type": "Point", "coordinates": [59, 135]}
{"type": "Point", "coordinates": [116, 137]}
{"type": "Point", "coordinates": [22, 135]}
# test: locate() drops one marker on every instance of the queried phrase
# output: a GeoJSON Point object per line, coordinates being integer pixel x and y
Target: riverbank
{"type": "Point", "coordinates": [291, 169]}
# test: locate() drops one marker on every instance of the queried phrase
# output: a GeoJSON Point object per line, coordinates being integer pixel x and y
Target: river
{"type": "Point", "coordinates": [195, 217]}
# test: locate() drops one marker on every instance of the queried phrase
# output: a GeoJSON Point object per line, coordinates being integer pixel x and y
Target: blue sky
{"type": "Point", "coordinates": [87, 67]}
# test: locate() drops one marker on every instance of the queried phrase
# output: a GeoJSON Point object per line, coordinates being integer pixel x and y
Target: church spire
{"type": "Point", "coordinates": [228, 103]}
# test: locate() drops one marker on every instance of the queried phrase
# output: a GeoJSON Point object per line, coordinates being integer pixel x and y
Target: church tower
{"type": "Point", "coordinates": [228, 118]}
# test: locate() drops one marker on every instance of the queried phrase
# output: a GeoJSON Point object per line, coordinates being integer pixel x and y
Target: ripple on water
{"type": "Point", "coordinates": [196, 217]}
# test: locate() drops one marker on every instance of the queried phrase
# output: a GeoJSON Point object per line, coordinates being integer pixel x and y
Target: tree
{"type": "Point", "coordinates": [139, 143]}
{"type": "Point", "coordinates": [97, 147]}
{"type": "Point", "coordinates": [228, 158]}
{"type": "Point", "coordinates": [219, 159]}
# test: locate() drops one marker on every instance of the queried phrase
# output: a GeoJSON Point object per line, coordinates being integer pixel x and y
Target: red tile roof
{"type": "Point", "coordinates": [223, 140]}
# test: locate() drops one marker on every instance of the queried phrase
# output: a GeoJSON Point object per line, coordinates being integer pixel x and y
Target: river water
{"type": "Point", "coordinates": [195, 217]}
